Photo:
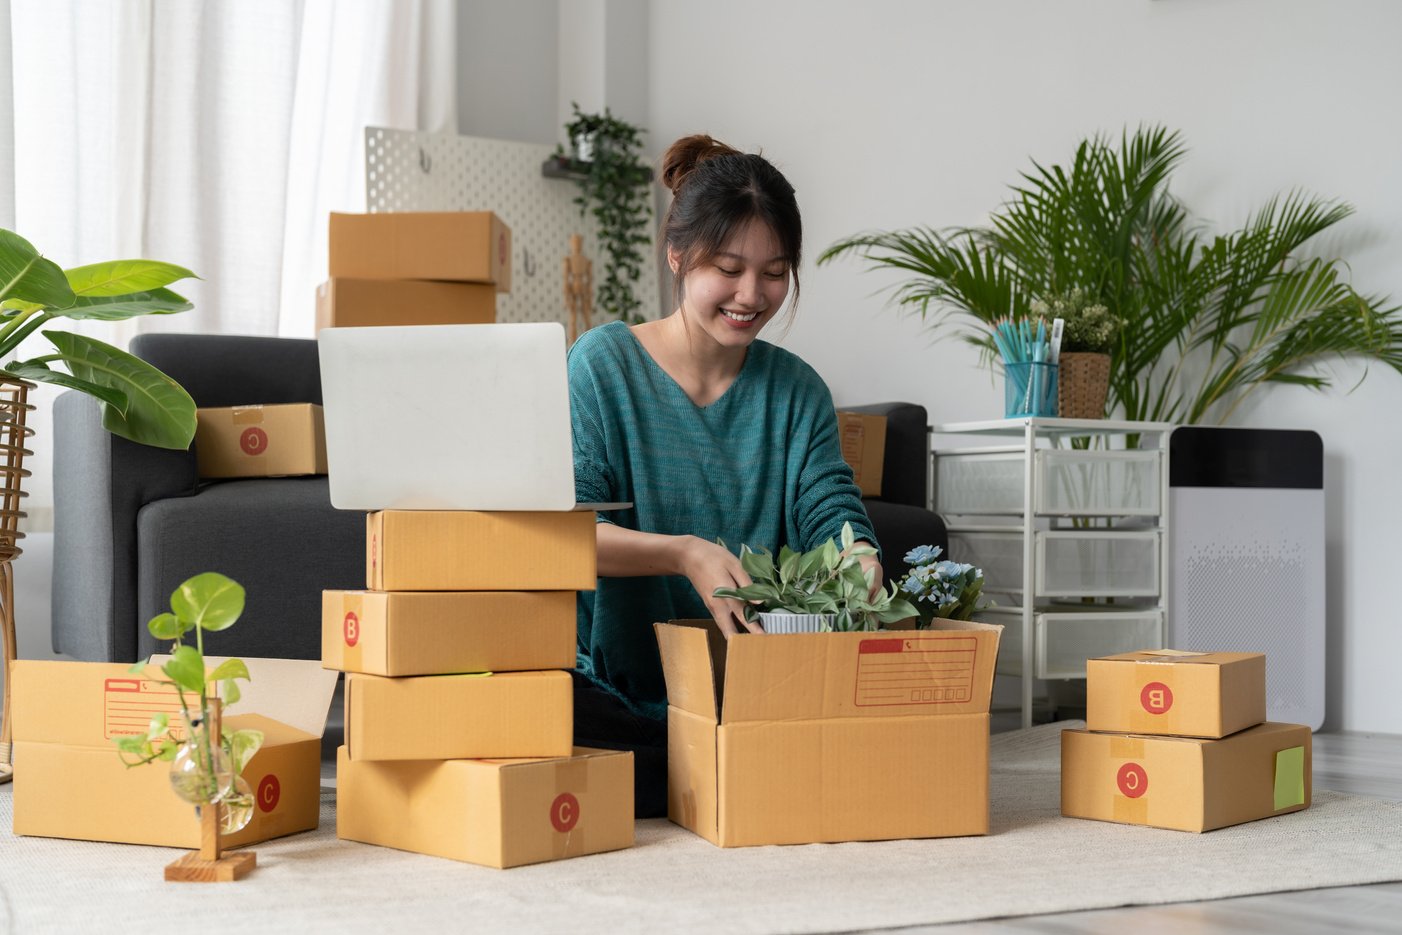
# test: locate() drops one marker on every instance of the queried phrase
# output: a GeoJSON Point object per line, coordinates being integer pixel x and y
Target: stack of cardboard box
{"type": "Point", "coordinates": [414, 268]}
{"type": "Point", "coordinates": [1180, 740]}
{"type": "Point", "coordinates": [459, 718]}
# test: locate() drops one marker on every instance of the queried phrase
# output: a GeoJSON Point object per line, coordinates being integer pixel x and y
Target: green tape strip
{"type": "Point", "coordinates": [1289, 777]}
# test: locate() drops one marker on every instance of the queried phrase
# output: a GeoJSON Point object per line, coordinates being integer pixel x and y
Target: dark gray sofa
{"type": "Point", "coordinates": [132, 522]}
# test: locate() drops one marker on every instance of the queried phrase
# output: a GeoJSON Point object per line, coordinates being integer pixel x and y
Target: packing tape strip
{"type": "Point", "coordinates": [352, 656]}
{"type": "Point", "coordinates": [1143, 719]}
{"type": "Point", "coordinates": [247, 415]}
{"type": "Point", "coordinates": [572, 781]}
{"type": "Point", "coordinates": [1127, 748]}
{"type": "Point", "coordinates": [1132, 811]}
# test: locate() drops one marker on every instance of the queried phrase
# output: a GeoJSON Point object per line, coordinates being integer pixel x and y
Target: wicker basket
{"type": "Point", "coordinates": [1084, 385]}
{"type": "Point", "coordinates": [14, 408]}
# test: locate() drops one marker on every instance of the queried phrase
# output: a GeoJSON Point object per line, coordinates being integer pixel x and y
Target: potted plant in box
{"type": "Point", "coordinates": [820, 590]}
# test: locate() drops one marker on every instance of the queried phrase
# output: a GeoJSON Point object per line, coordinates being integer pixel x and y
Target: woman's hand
{"type": "Point", "coordinates": [873, 564]}
{"type": "Point", "coordinates": [709, 566]}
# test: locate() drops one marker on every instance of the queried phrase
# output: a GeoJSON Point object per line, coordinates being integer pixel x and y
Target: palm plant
{"type": "Point", "coordinates": [1205, 321]}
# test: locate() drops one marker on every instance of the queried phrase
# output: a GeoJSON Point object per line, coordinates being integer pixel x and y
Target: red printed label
{"type": "Point", "coordinates": [253, 441]}
{"type": "Point", "coordinates": [351, 627]}
{"type": "Point", "coordinates": [1156, 698]}
{"type": "Point", "coordinates": [128, 704]}
{"type": "Point", "coordinates": [897, 671]}
{"type": "Point", "coordinates": [269, 791]}
{"type": "Point", "coordinates": [1132, 780]}
{"type": "Point", "coordinates": [564, 812]}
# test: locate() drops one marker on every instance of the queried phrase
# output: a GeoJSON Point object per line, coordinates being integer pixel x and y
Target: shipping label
{"type": "Point", "coordinates": [915, 670]}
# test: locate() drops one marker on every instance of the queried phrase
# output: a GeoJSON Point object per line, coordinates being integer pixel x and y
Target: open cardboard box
{"type": "Point", "coordinates": [823, 737]}
{"type": "Point", "coordinates": [70, 783]}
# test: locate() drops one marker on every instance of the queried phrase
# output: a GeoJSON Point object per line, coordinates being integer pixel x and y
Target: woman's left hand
{"type": "Point", "coordinates": [872, 563]}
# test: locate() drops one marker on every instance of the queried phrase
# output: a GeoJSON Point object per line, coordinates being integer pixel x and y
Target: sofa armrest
{"type": "Point", "coordinates": [100, 483]}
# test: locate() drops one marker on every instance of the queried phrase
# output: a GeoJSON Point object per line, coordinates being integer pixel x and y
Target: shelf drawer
{"type": "Point", "coordinates": [998, 553]}
{"type": "Point", "coordinates": [1064, 640]}
{"type": "Point", "coordinates": [1098, 483]}
{"type": "Point", "coordinates": [1097, 563]}
{"type": "Point", "coordinates": [979, 483]}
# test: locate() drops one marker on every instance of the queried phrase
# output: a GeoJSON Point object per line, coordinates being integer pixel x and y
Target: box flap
{"type": "Point", "coordinates": [800, 676]}
{"type": "Point", "coordinates": [690, 662]}
{"type": "Point", "coordinates": [296, 692]}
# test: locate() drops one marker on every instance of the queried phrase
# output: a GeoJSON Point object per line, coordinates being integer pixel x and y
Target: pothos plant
{"type": "Point", "coordinates": [613, 186]}
{"type": "Point", "coordinates": [205, 770]}
{"type": "Point", "coordinates": [138, 401]}
{"type": "Point", "coordinates": [824, 580]}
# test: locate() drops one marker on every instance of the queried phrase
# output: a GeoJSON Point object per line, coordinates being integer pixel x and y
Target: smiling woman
{"type": "Point", "coordinates": [712, 434]}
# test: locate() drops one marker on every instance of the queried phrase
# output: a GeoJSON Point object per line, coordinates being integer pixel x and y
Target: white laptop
{"type": "Point", "coordinates": [448, 417]}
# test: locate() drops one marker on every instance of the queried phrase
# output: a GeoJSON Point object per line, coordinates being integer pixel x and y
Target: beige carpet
{"type": "Point", "coordinates": [1034, 861]}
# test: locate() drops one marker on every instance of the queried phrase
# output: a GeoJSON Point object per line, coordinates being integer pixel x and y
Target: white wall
{"type": "Point", "coordinates": [891, 113]}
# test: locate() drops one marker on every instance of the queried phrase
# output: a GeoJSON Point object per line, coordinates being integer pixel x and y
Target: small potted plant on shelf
{"type": "Point", "coordinates": [942, 590]}
{"type": "Point", "coordinates": [1088, 336]}
{"type": "Point", "coordinates": [825, 589]}
{"type": "Point", "coordinates": [206, 762]}
{"type": "Point", "coordinates": [614, 187]}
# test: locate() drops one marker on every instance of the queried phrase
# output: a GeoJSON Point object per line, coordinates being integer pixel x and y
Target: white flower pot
{"type": "Point", "coordinates": [783, 622]}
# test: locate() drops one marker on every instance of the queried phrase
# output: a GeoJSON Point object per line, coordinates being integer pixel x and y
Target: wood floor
{"type": "Point", "coordinates": [1364, 764]}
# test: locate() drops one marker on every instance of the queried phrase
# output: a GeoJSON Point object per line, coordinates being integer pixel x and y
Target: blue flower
{"type": "Point", "coordinates": [922, 555]}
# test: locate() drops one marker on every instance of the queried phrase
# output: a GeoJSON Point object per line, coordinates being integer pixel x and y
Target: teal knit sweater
{"type": "Point", "coordinates": [762, 466]}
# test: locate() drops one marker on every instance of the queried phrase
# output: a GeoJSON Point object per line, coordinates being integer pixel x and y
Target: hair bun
{"type": "Point", "coordinates": [683, 156]}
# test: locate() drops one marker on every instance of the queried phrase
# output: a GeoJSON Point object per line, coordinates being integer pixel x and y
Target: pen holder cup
{"type": "Point", "coordinates": [1029, 389]}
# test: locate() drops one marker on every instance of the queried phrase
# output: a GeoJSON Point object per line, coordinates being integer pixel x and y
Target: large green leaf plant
{"type": "Point", "coordinates": [138, 401]}
{"type": "Point", "coordinates": [1206, 320]}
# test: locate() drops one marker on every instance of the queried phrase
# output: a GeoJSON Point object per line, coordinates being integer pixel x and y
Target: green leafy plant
{"type": "Point", "coordinates": [613, 186]}
{"type": "Point", "coordinates": [1205, 321]}
{"type": "Point", "coordinates": [1088, 327]}
{"type": "Point", "coordinates": [942, 589]}
{"type": "Point", "coordinates": [825, 580]}
{"type": "Point", "coordinates": [138, 401]}
{"type": "Point", "coordinates": [206, 602]}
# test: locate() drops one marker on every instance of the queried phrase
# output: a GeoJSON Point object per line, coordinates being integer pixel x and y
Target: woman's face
{"type": "Point", "coordinates": [731, 296]}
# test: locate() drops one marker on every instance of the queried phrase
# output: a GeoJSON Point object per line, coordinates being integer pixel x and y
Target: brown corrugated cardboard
{"type": "Point", "coordinates": [71, 784]}
{"type": "Point", "coordinates": [445, 717]}
{"type": "Point", "coordinates": [450, 550]}
{"type": "Point", "coordinates": [1186, 783]}
{"type": "Point", "coordinates": [460, 246]}
{"type": "Point", "coordinates": [361, 303]}
{"type": "Point", "coordinates": [501, 813]}
{"type": "Point", "coordinates": [443, 632]}
{"type": "Point", "coordinates": [863, 439]}
{"type": "Point", "coordinates": [1176, 693]}
{"type": "Point", "coordinates": [824, 737]}
{"type": "Point", "coordinates": [260, 441]}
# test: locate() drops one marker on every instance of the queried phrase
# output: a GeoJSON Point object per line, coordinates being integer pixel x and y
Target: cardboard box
{"type": "Point", "coordinates": [452, 550]}
{"type": "Point", "coordinates": [1186, 783]}
{"type": "Point", "coordinates": [1169, 692]}
{"type": "Point", "coordinates": [448, 717]}
{"type": "Point", "coordinates": [70, 783]}
{"type": "Point", "coordinates": [501, 813]}
{"type": "Point", "coordinates": [443, 632]}
{"type": "Point", "coordinates": [459, 246]}
{"type": "Point", "coordinates": [820, 737]}
{"type": "Point", "coordinates": [864, 448]}
{"type": "Point", "coordinates": [360, 303]}
{"type": "Point", "coordinates": [260, 441]}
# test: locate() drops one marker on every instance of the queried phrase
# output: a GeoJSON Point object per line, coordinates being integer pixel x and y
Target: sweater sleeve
{"type": "Point", "coordinates": [594, 480]}
{"type": "Point", "coordinates": [827, 496]}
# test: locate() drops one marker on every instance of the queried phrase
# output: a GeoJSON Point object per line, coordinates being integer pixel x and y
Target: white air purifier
{"type": "Point", "coordinates": [1246, 569]}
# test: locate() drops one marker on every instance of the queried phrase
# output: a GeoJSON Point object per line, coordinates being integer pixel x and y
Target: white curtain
{"type": "Point", "coordinates": [217, 135]}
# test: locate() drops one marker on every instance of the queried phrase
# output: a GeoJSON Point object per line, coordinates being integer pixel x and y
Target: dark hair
{"type": "Point", "coordinates": [715, 191]}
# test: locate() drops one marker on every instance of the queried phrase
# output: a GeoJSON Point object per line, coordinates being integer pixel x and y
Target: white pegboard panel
{"type": "Point", "coordinates": [413, 171]}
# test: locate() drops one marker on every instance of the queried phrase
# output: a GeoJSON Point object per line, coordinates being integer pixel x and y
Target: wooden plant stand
{"type": "Point", "coordinates": [210, 864]}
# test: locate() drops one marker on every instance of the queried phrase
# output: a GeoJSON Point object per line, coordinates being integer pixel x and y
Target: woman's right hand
{"type": "Point", "coordinates": [709, 566]}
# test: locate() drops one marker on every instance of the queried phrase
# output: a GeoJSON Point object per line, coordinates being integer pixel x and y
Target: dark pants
{"type": "Point", "coordinates": [601, 720]}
